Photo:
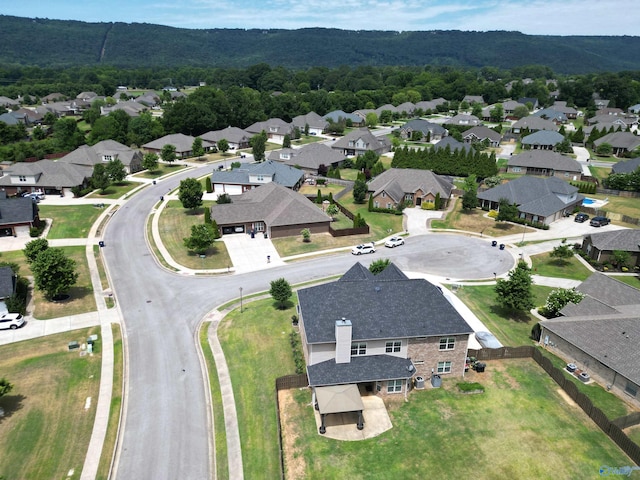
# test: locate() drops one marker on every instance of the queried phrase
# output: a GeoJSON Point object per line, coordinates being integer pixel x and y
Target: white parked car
{"type": "Point", "coordinates": [394, 242]}
{"type": "Point", "coordinates": [363, 248]}
{"type": "Point", "coordinates": [11, 320]}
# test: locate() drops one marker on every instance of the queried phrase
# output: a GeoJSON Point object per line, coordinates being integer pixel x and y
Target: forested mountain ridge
{"type": "Point", "coordinates": [43, 42]}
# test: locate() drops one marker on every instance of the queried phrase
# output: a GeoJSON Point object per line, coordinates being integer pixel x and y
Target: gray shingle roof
{"type": "Point", "coordinates": [424, 126]}
{"type": "Point", "coordinates": [625, 239]}
{"type": "Point", "coordinates": [230, 134]}
{"type": "Point", "coordinates": [543, 137]}
{"type": "Point", "coordinates": [17, 211]}
{"type": "Point", "coordinates": [48, 174]}
{"type": "Point", "coordinates": [6, 282]}
{"type": "Point", "coordinates": [626, 166]}
{"type": "Point", "coordinates": [481, 132]}
{"type": "Point", "coordinates": [626, 140]}
{"type": "Point", "coordinates": [273, 125]}
{"type": "Point", "coordinates": [535, 123]}
{"type": "Point", "coordinates": [452, 143]}
{"type": "Point", "coordinates": [545, 159]}
{"type": "Point", "coordinates": [312, 119]}
{"type": "Point", "coordinates": [271, 203]}
{"type": "Point", "coordinates": [379, 309]}
{"type": "Point", "coordinates": [551, 114]}
{"type": "Point", "coordinates": [338, 114]}
{"type": "Point", "coordinates": [411, 180]}
{"type": "Point", "coordinates": [611, 341]}
{"type": "Point", "coordinates": [281, 174]}
{"type": "Point", "coordinates": [92, 155]}
{"type": "Point", "coordinates": [371, 141]}
{"type": "Point", "coordinates": [309, 157]}
{"type": "Point", "coordinates": [182, 142]}
{"type": "Point", "coordinates": [367, 368]}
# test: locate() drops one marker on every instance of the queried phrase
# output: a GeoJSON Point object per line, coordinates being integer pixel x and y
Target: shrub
{"type": "Point", "coordinates": [37, 231]}
{"type": "Point", "coordinates": [428, 206]}
{"type": "Point", "coordinates": [296, 350]}
{"type": "Point", "coordinates": [493, 214]}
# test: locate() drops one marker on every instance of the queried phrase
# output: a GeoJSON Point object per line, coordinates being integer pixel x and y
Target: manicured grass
{"type": "Point", "coordinates": [220, 435]}
{"type": "Point", "coordinates": [380, 224]}
{"type": "Point", "coordinates": [306, 139]}
{"type": "Point", "coordinates": [103, 275]}
{"type": "Point", "coordinates": [511, 328]}
{"type": "Point", "coordinates": [502, 433]}
{"type": "Point", "coordinates": [81, 301]}
{"type": "Point", "coordinates": [46, 429]}
{"type": "Point", "coordinates": [600, 172]}
{"type": "Point", "coordinates": [70, 221]}
{"type": "Point", "coordinates": [163, 169]}
{"type": "Point", "coordinates": [622, 205]}
{"type": "Point", "coordinates": [256, 346]}
{"type": "Point", "coordinates": [114, 191]}
{"type": "Point", "coordinates": [611, 405]}
{"type": "Point", "coordinates": [324, 189]}
{"type": "Point", "coordinates": [116, 405]}
{"type": "Point", "coordinates": [154, 247]}
{"type": "Point", "coordinates": [476, 221]}
{"type": "Point", "coordinates": [81, 294]}
{"type": "Point", "coordinates": [545, 265]}
{"type": "Point", "coordinates": [288, 246]}
{"type": "Point", "coordinates": [175, 225]}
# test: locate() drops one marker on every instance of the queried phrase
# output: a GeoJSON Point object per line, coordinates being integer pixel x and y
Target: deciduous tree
{"type": "Point", "coordinates": [150, 161]}
{"type": "Point", "coordinates": [168, 153]}
{"type": "Point", "coordinates": [515, 293]}
{"type": "Point", "coordinates": [115, 170]}
{"type": "Point", "coordinates": [100, 179]}
{"type": "Point", "coordinates": [281, 292]}
{"type": "Point", "coordinates": [33, 248]}
{"type": "Point", "coordinates": [202, 237]}
{"type": "Point", "coordinates": [53, 272]}
{"type": "Point", "coordinates": [190, 193]}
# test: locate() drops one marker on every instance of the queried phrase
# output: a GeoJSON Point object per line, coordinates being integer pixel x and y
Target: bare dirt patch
{"type": "Point", "coordinates": [566, 397]}
{"type": "Point", "coordinates": [294, 465]}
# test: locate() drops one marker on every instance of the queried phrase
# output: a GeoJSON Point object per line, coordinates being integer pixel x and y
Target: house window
{"type": "Point", "coordinates": [389, 206]}
{"type": "Point", "coordinates": [392, 347]}
{"type": "Point", "coordinates": [408, 196]}
{"type": "Point", "coordinates": [394, 386]}
{"type": "Point", "coordinates": [444, 367]}
{"type": "Point", "coordinates": [358, 349]}
{"type": "Point", "coordinates": [566, 174]}
{"type": "Point", "coordinates": [384, 194]}
{"type": "Point", "coordinates": [22, 178]}
{"type": "Point", "coordinates": [260, 178]}
{"type": "Point", "coordinates": [107, 158]}
{"type": "Point", "coordinates": [631, 389]}
{"type": "Point", "coordinates": [285, 156]}
{"type": "Point", "coordinates": [515, 169]}
{"type": "Point", "coordinates": [376, 204]}
{"type": "Point", "coordinates": [447, 343]}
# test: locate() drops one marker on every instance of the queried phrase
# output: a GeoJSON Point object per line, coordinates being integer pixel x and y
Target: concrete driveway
{"type": "Point", "coordinates": [250, 254]}
{"type": "Point", "coordinates": [416, 220]}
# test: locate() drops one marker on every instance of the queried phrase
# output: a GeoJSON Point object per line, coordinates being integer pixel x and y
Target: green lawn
{"type": "Point", "coordinates": [81, 294]}
{"type": "Point", "coordinates": [163, 169]}
{"type": "Point", "coordinates": [260, 332]}
{"type": "Point", "coordinates": [175, 225]}
{"type": "Point", "coordinates": [46, 430]}
{"type": "Point", "coordinates": [72, 221]}
{"type": "Point", "coordinates": [500, 434]}
{"type": "Point", "coordinates": [511, 328]}
{"type": "Point", "coordinates": [472, 434]}
{"type": "Point", "coordinates": [114, 191]}
{"type": "Point", "coordinates": [633, 281]}
{"type": "Point", "coordinates": [545, 265]}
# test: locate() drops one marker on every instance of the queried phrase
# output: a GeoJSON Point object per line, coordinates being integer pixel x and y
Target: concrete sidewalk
{"type": "Point", "coordinates": [39, 328]}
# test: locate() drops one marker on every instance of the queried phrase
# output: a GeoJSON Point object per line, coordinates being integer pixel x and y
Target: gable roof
{"type": "Point", "coordinates": [7, 282]}
{"type": "Point", "coordinates": [481, 132]}
{"type": "Point", "coordinates": [369, 139]}
{"type": "Point", "coordinates": [625, 140]}
{"type": "Point", "coordinates": [92, 155]}
{"type": "Point", "coordinates": [626, 166]}
{"type": "Point", "coordinates": [273, 125]}
{"type": "Point", "coordinates": [424, 126]}
{"type": "Point", "coordinates": [463, 119]}
{"type": "Point", "coordinates": [535, 123]}
{"type": "Point", "coordinates": [379, 308]}
{"type": "Point", "coordinates": [272, 203]}
{"type": "Point", "coordinates": [604, 296]}
{"type": "Point", "coordinates": [48, 173]}
{"type": "Point", "coordinates": [182, 142]}
{"type": "Point", "coordinates": [312, 119]}
{"type": "Point", "coordinates": [543, 137]}
{"type": "Point", "coordinates": [452, 143]}
{"type": "Point", "coordinates": [551, 114]}
{"type": "Point", "coordinates": [336, 115]}
{"type": "Point", "coordinates": [281, 174]}
{"type": "Point", "coordinates": [410, 180]}
{"type": "Point", "coordinates": [545, 159]}
{"type": "Point", "coordinates": [627, 239]}
{"type": "Point", "coordinates": [17, 210]}
{"type": "Point", "coordinates": [230, 134]}
{"type": "Point", "coordinates": [309, 157]}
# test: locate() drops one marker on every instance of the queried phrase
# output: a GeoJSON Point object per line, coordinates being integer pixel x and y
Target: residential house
{"type": "Point", "coordinates": [602, 246]}
{"type": "Point", "coordinates": [570, 112]}
{"type": "Point", "coordinates": [272, 209]}
{"type": "Point", "coordinates": [542, 200]}
{"type": "Point", "coordinates": [48, 176]}
{"type": "Point", "coordinates": [600, 335]}
{"type": "Point", "coordinates": [311, 121]}
{"type": "Point", "coordinates": [360, 141]}
{"type": "Point", "coordinates": [555, 116]}
{"type": "Point", "coordinates": [532, 124]}
{"type": "Point", "coordinates": [378, 332]}
{"type": "Point", "coordinates": [430, 105]}
{"type": "Point", "coordinates": [235, 137]}
{"type": "Point", "coordinates": [130, 107]}
{"type": "Point", "coordinates": [617, 122]}
{"type": "Point", "coordinates": [471, 99]}
{"type": "Point", "coordinates": [182, 142]}
{"type": "Point", "coordinates": [387, 107]}
{"type": "Point", "coordinates": [626, 166]}
{"type": "Point", "coordinates": [53, 97]}
{"type": "Point", "coordinates": [635, 109]}
{"type": "Point", "coordinates": [481, 133]}
{"type": "Point", "coordinates": [509, 107]}
{"type": "Point", "coordinates": [533, 101]}
{"type": "Point", "coordinates": [312, 158]}
{"type": "Point", "coordinates": [103, 152]}
{"type": "Point", "coordinates": [601, 103]}
{"type": "Point", "coordinates": [545, 163]}
{"type": "Point", "coordinates": [452, 144]}
{"type": "Point", "coordinates": [17, 215]}
{"type": "Point", "coordinates": [8, 118]}
{"type": "Point", "coordinates": [542, 140]}
{"type": "Point", "coordinates": [149, 99]}
{"type": "Point", "coordinates": [337, 115]}
{"type": "Point", "coordinates": [463, 119]}
{"type": "Point", "coordinates": [430, 131]}
{"type": "Point", "coordinates": [275, 128]}
{"type": "Point", "coordinates": [622, 142]}
{"type": "Point", "coordinates": [406, 109]}
{"type": "Point", "coordinates": [7, 102]}
{"type": "Point", "coordinates": [252, 175]}
{"type": "Point", "coordinates": [398, 185]}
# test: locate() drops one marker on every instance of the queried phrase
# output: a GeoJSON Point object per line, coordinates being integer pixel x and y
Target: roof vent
{"type": "Point", "coordinates": [377, 288]}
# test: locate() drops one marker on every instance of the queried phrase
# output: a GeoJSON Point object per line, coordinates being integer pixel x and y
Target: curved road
{"type": "Point", "coordinates": [166, 424]}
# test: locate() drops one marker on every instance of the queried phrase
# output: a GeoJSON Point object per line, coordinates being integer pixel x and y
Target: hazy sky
{"type": "Point", "coordinates": [546, 17]}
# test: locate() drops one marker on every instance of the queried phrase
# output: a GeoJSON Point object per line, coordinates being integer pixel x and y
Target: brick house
{"type": "Point", "coordinates": [397, 185]}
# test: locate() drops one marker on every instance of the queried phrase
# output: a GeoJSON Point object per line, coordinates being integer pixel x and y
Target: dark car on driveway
{"type": "Point", "coordinates": [581, 217]}
{"type": "Point", "coordinates": [599, 221]}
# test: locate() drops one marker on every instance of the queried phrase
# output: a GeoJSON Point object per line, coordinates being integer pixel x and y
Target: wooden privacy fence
{"type": "Point", "coordinates": [613, 428]}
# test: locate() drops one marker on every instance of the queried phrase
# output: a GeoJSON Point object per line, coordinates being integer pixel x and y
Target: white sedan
{"type": "Point", "coordinates": [363, 248]}
{"type": "Point", "coordinates": [394, 242]}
